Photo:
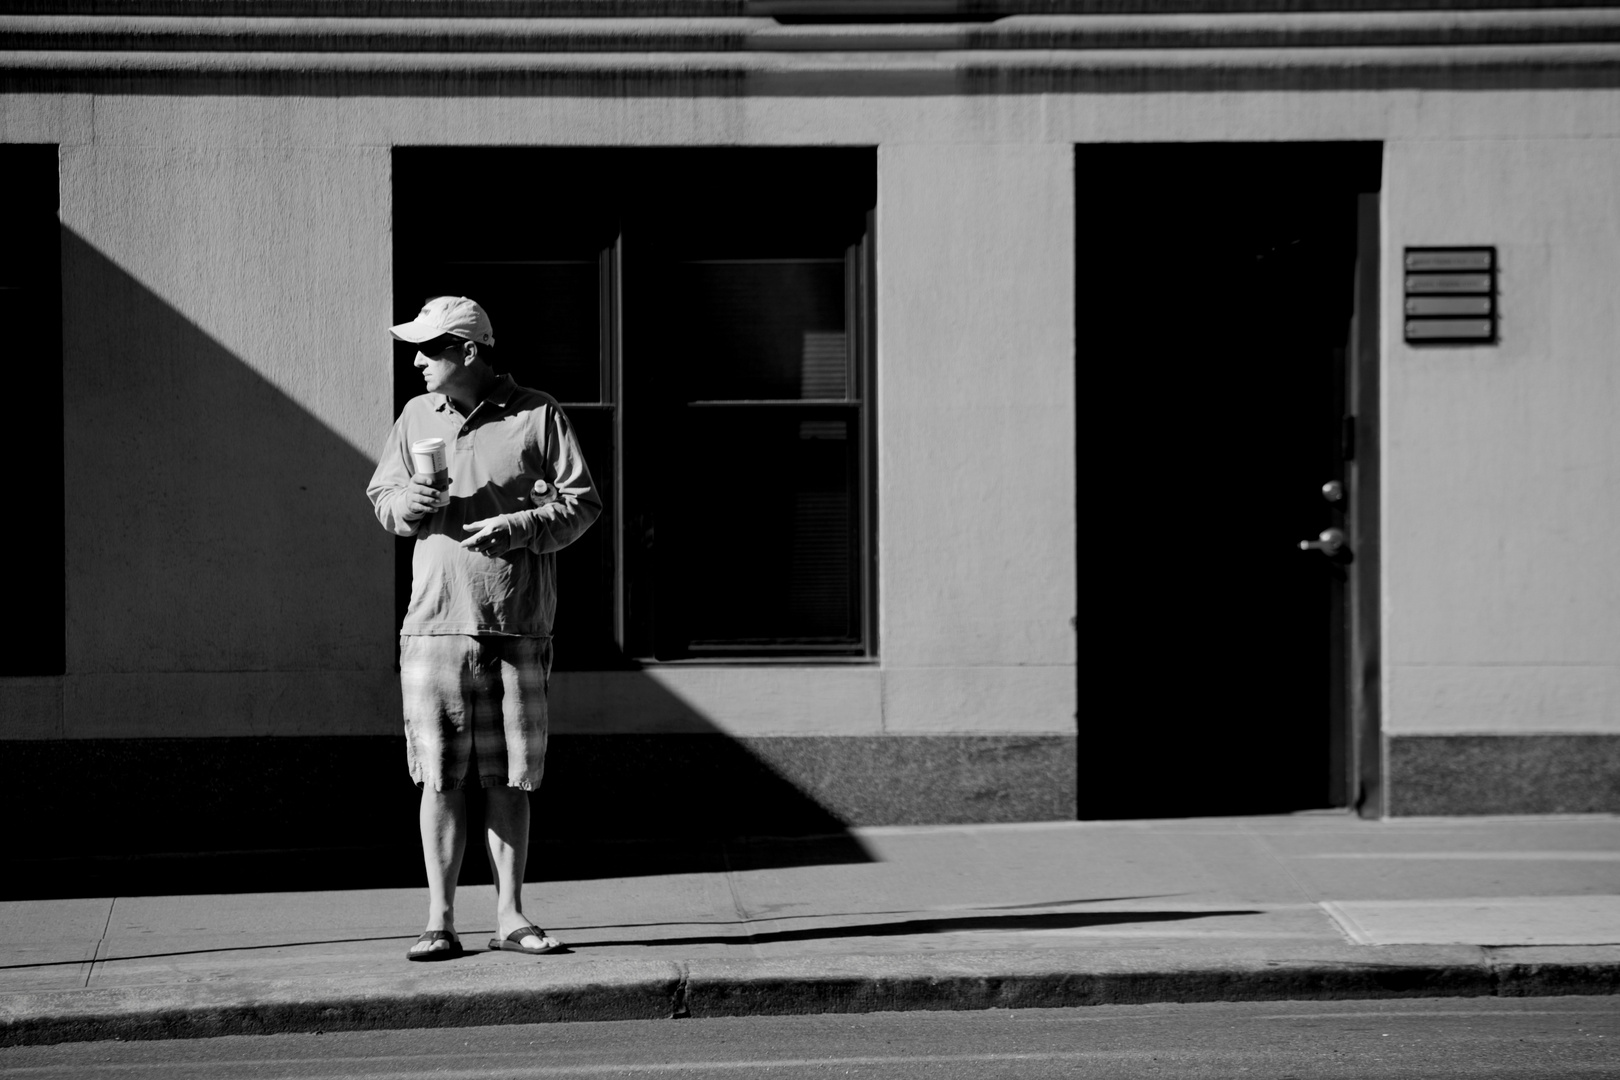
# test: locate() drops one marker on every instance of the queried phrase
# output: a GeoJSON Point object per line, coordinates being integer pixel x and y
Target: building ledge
{"type": "Point", "coordinates": [819, 11]}
{"type": "Point", "coordinates": [819, 74]}
{"type": "Point", "coordinates": [1018, 33]}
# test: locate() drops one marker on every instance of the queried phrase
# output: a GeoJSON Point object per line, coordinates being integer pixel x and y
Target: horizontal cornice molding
{"type": "Point", "coordinates": [798, 10]}
{"type": "Point", "coordinates": [80, 33]}
{"type": "Point", "coordinates": [732, 53]}
{"type": "Point", "coordinates": [816, 74]}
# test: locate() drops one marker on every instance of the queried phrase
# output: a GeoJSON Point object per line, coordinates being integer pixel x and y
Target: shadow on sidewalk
{"type": "Point", "coordinates": [915, 927]}
{"type": "Point", "coordinates": [903, 928]}
{"type": "Point", "coordinates": [400, 866]}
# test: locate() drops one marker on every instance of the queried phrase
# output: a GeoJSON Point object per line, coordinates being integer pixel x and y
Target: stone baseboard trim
{"type": "Point", "coordinates": [1503, 774]}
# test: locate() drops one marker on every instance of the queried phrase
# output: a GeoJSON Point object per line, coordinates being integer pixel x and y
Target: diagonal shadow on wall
{"type": "Point", "coordinates": [250, 551]}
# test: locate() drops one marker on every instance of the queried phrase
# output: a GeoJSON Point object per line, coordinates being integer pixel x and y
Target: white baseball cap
{"type": "Point", "coordinates": [447, 315]}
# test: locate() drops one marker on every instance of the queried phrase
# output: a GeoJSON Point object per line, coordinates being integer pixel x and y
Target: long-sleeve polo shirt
{"type": "Point", "coordinates": [514, 457]}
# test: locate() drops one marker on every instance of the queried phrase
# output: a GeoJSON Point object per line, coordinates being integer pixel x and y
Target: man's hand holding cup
{"type": "Point", "coordinates": [429, 489]}
{"type": "Point", "coordinates": [422, 497]}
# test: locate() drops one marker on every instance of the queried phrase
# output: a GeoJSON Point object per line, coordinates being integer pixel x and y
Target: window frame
{"type": "Point", "coordinates": [630, 214]}
{"type": "Point", "coordinates": [860, 381]}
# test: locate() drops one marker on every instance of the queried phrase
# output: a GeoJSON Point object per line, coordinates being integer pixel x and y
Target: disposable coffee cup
{"type": "Point", "coordinates": [430, 458]}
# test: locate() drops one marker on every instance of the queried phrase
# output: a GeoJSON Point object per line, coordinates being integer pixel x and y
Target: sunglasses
{"type": "Point", "coordinates": [441, 344]}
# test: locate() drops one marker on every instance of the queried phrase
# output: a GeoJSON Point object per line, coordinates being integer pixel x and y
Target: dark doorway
{"type": "Point", "coordinates": [1216, 350]}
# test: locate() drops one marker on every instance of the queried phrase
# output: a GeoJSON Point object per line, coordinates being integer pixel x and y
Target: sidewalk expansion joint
{"type": "Point", "coordinates": [95, 954]}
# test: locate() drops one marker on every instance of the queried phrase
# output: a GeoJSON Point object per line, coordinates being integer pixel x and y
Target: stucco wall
{"type": "Point", "coordinates": [242, 586]}
{"type": "Point", "coordinates": [1502, 480]}
{"type": "Point", "coordinates": [976, 435]}
{"type": "Point", "coordinates": [216, 381]}
{"type": "Point", "coordinates": [226, 278]}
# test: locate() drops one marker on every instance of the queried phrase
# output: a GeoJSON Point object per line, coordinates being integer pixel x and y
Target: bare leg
{"type": "Point", "coordinates": [506, 813]}
{"type": "Point", "coordinates": [443, 818]}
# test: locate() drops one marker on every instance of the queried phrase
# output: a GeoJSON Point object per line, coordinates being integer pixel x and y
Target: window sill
{"type": "Point", "coordinates": [737, 662]}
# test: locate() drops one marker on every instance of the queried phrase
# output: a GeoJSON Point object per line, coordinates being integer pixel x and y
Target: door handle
{"type": "Point", "coordinates": [1331, 542]}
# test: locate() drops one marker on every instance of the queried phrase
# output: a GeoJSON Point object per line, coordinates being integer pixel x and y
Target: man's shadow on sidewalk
{"type": "Point", "coordinates": [945, 924]}
{"type": "Point", "coordinates": [912, 927]}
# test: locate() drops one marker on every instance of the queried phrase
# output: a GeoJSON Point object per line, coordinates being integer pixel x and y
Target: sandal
{"type": "Point", "coordinates": [513, 942]}
{"type": "Point", "coordinates": [449, 952]}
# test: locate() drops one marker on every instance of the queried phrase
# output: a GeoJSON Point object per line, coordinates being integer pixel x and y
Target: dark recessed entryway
{"type": "Point", "coordinates": [1216, 347]}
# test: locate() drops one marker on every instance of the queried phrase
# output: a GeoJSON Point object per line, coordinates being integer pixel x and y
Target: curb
{"type": "Point", "coordinates": [650, 990]}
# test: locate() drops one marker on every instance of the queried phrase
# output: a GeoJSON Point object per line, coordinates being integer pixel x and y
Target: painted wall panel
{"type": "Point", "coordinates": [1504, 699]}
{"type": "Point", "coordinates": [228, 268]}
{"type": "Point", "coordinates": [47, 118]}
{"type": "Point", "coordinates": [1502, 595]}
{"type": "Point", "coordinates": [31, 707]}
{"type": "Point", "coordinates": [214, 121]}
{"type": "Point", "coordinates": [225, 378]}
{"type": "Point", "coordinates": [207, 704]}
{"type": "Point", "coordinates": [975, 404]}
{"type": "Point", "coordinates": [741, 701]}
{"type": "Point", "coordinates": [1029, 699]}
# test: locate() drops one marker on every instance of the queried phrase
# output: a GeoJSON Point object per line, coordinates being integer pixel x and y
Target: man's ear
{"type": "Point", "coordinates": [469, 352]}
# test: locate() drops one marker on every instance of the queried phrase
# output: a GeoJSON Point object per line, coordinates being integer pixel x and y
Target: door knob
{"type": "Point", "coordinates": [1329, 543]}
{"type": "Point", "coordinates": [1333, 491]}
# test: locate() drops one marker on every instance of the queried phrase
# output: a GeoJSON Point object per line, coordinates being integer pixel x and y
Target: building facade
{"type": "Point", "coordinates": [963, 377]}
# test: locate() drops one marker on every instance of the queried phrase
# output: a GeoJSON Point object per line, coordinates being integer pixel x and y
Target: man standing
{"type": "Point", "coordinates": [475, 649]}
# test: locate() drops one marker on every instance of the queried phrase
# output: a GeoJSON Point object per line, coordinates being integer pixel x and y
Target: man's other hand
{"type": "Point", "coordinates": [491, 536]}
{"type": "Point", "coordinates": [422, 498]}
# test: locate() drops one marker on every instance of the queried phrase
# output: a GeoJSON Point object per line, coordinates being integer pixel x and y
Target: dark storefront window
{"type": "Point", "coordinates": [31, 311]}
{"type": "Point", "coordinates": [704, 318]}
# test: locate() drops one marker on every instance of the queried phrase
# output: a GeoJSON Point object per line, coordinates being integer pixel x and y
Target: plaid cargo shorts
{"type": "Point", "coordinates": [475, 703]}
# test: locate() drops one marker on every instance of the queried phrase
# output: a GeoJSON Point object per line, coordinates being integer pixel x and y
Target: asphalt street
{"type": "Point", "coordinates": [1552, 1038]}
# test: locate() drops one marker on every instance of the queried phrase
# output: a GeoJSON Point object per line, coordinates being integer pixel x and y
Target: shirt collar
{"type": "Point", "coordinates": [501, 392]}
{"type": "Point", "coordinates": [498, 395]}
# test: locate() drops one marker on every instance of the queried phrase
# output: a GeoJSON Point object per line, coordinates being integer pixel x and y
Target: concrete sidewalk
{"type": "Point", "coordinates": [940, 917]}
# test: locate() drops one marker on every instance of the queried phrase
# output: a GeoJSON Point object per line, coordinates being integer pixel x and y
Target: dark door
{"type": "Point", "coordinates": [1216, 293]}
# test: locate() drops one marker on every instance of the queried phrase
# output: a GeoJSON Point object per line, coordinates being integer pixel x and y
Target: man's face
{"type": "Point", "coordinates": [440, 363]}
